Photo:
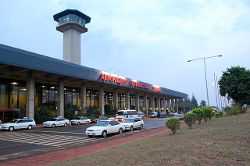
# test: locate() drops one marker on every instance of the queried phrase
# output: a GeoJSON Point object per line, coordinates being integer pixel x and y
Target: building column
{"type": "Point", "coordinates": [159, 104]}
{"type": "Point", "coordinates": [127, 101]}
{"type": "Point", "coordinates": [168, 105]}
{"type": "Point", "coordinates": [115, 98]}
{"type": "Point", "coordinates": [153, 104]}
{"type": "Point", "coordinates": [101, 101]}
{"type": "Point", "coordinates": [146, 104]}
{"type": "Point", "coordinates": [137, 102]}
{"type": "Point", "coordinates": [60, 98]}
{"type": "Point", "coordinates": [30, 102]}
{"type": "Point", "coordinates": [164, 104]}
{"type": "Point", "coordinates": [83, 98]}
{"type": "Point", "coordinates": [172, 104]}
{"type": "Point", "coordinates": [177, 106]}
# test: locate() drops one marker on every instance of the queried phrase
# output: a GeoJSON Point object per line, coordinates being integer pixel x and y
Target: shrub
{"type": "Point", "coordinates": [189, 119]}
{"type": "Point", "coordinates": [69, 111]}
{"type": "Point", "coordinates": [109, 110]}
{"type": "Point", "coordinates": [92, 112]}
{"type": "Point", "coordinates": [199, 114]}
{"type": "Point", "coordinates": [218, 114]}
{"type": "Point", "coordinates": [234, 110]}
{"type": "Point", "coordinates": [43, 114]}
{"type": "Point", "coordinates": [208, 112]}
{"type": "Point", "coordinates": [173, 124]}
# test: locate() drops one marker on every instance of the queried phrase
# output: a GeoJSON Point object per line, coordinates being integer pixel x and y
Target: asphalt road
{"type": "Point", "coordinates": [22, 143]}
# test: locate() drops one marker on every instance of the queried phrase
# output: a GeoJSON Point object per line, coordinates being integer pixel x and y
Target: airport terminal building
{"type": "Point", "coordinates": [29, 80]}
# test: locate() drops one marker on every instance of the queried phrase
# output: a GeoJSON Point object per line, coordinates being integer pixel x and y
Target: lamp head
{"type": "Point", "coordinates": [219, 55]}
{"type": "Point", "coordinates": [189, 60]}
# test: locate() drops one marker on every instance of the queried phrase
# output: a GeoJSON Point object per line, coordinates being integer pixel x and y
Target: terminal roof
{"type": "Point", "coordinates": [30, 60]}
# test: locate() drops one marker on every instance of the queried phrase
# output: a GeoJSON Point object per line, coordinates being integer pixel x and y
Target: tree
{"type": "Point", "coordinates": [235, 84]}
{"type": "Point", "coordinates": [190, 119]}
{"type": "Point", "coordinates": [199, 114]}
{"type": "Point", "coordinates": [208, 112]}
{"type": "Point", "coordinates": [173, 124]}
{"type": "Point", "coordinates": [203, 103]}
{"type": "Point", "coordinates": [194, 101]}
{"type": "Point", "coordinates": [185, 105]}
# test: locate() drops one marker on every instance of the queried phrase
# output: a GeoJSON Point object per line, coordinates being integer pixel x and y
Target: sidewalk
{"type": "Point", "coordinates": [62, 155]}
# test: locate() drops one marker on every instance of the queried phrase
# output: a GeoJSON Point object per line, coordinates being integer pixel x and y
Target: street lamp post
{"type": "Point", "coordinates": [205, 70]}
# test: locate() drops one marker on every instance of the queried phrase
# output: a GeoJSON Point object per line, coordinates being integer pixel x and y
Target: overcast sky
{"type": "Point", "coordinates": [146, 40]}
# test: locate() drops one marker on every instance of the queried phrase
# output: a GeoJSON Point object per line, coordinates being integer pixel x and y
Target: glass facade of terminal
{"type": "Point", "coordinates": [13, 98]}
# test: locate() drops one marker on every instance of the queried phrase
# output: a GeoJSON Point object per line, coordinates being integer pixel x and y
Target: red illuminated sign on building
{"type": "Point", "coordinates": [144, 86]}
{"type": "Point", "coordinates": [119, 80]}
{"type": "Point", "coordinates": [107, 77]}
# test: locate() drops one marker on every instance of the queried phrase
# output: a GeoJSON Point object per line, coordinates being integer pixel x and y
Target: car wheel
{"type": "Point", "coordinates": [141, 126]}
{"type": "Point", "coordinates": [104, 134]}
{"type": "Point", "coordinates": [11, 128]}
{"type": "Point", "coordinates": [65, 124]}
{"type": "Point", "coordinates": [29, 127]}
{"type": "Point", "coordinates": [78, 123]}
{"type": "Point", "coordinates": [131, 128]}
{"type": "Point", "coordinates": [120, 131]}
{"type": "Point", "coordinates": [90, 136]}
{"type": "Point", "coordinates": [53, 125]}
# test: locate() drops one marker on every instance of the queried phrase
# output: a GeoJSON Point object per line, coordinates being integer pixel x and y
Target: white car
{"type": "Point", "coordinates": [104, 127]}
{"type": "Point", "coordinates": [58, 121]}
{"type": "Point", "coordinates": [133, 123]}
{"type": "Point", "coordinates": [23, 123]}
{"type": "Point", "coordinates": [80, 120]}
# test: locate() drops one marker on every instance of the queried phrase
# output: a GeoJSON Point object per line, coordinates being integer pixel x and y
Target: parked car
{"type": "Point", "coordinates": [141, 114]}
{"type": "Point", "coordinates": [95, 120]}
{"type": "Point", "coordinates": [105, 127]}
{"type": "Point", "coordinates": [23, 123]}
{"type": "Point", "coordinates": [133, 123]}
{"type": "Point", "coordinates": [179, 116]}
{"type": "Point", "coordinates": [153, 115]}
{"type": "Point", "coordinates": [80, 120]}
{"type": "Point", "coordinates": [58, 121]}
{"type": "Point", "coordinates": [163, 115]}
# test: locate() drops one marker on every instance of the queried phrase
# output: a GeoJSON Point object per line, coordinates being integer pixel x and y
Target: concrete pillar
{"type": "Point", "coordinates": [60, 98]}
{"type": "Point", "coordinates": [146, 104]}
{"type": "Point", "coordinates": [153, 104]}
{"type": "Point", "coordinates": [127, 101]}
{"type": "Point", "coordinates": [30, 102]}
{"type": "Point", "coordinates": [83, 95]}
{"type": "Point", "coordinates": [137, 102]}
{"type": "Point", "coordinates": [177, 106]}
{"type": "Point", "coordinates": [172, 104]}
{"type": "Point", "coordinates": [159, 104]}
{"type": "Point", "coordinates": [168, 104]}
{"type": "Point", "coordinates": [101, 101]}
{"type": "Point", "coordinates": [164, 104]}
{"type": "Point", "coordinates": [115, 98]}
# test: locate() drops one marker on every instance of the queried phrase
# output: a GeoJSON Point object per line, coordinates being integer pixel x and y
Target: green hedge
{"type": "Point", "coordinates": [43, 114]}
{"type": "Point", "coordinates": [190, 119]}
{"type": "Point", "coordinates": [173, 124]}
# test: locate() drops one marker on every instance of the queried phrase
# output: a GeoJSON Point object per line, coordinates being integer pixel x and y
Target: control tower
{"type": "Point", "coordinates": [72, 24]}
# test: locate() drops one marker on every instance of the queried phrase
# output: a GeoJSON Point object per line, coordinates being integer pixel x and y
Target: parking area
{"type": "Point", "coordinates": [22, 143]}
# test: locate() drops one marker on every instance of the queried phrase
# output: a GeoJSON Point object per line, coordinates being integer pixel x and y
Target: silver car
{"type": "Point", "coordinates": [23, 123]}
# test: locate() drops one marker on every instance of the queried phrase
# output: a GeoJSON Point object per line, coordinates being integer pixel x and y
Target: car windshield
{"type": "Point", "coordinates": [13, 121]}
{"type": "Point", "coordinates": [120, 113]}
{"type": "Point", "coordinates": [128, 121]}
{"type": "Point", "coordinates": [102, 123]}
